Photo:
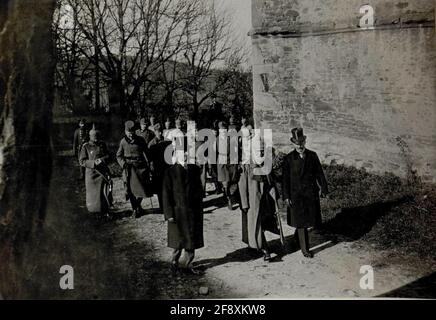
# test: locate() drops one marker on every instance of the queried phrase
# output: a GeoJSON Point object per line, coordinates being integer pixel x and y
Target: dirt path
{"type": "Point", "coordinates": [128, 258]}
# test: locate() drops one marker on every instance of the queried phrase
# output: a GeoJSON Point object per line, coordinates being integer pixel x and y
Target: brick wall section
{"type": "Point", "coordinates": [360, 95]}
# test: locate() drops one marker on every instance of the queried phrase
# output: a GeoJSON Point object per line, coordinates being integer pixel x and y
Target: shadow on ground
{"type": "Point", "coordinates": [353, 223]}
{"type": "Point", "coordinates": [349, 224]}
{"type": "Point", "coordinates": [424, 288]}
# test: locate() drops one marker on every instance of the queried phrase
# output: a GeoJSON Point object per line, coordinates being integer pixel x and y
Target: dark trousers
{"type": "Point", "coordinates": [81, 169]}
{"type": "Point", "coordinates": [159, 199]}
{"type": "Point", "coordinates": [135, 202]}
{"type": "Point", "coordinates": [244, 225]}
{"type": "Point", "coordinates": [303, 239]}
{"type": "Point", "coordinates": [178, 252]}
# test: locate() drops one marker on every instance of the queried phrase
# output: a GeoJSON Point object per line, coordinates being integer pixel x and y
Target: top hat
{"type": "Point", "coordinates": [297, 136]}
{"type": "Point", "coordinates": [129, 126]}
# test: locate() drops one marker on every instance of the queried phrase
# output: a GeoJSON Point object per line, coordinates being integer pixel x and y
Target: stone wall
{"type": "Point", "coordinates": [364, 97]}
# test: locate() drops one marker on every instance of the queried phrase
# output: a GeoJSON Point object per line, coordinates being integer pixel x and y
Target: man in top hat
{"type": "Point", "coordinates": [94, 156]}
{"type": "Point", "coordinates": [144, 131]}
{"type": "Point", "coordinates": [80, 137]}
{"type": "Point", "coordinates": [156, 152]}
{"type": "Point", "coordinates": [132, 157]}
{"type": "Point", "coordinates": [182, 197]}
{"type": "Point", "coordinates": [303, 179]}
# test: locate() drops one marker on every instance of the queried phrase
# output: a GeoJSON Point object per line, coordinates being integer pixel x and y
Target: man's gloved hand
{"type": "Point", "coordinates": [171, 220]}
{"type": "Point", "coordinates": [288, 202]}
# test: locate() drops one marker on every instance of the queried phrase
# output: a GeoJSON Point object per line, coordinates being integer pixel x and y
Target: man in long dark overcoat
{"type": "Point", "coordinates": [94, 156]}
{"type": "Point", "coordinates": [303, 179]}
{"type": "Point", "coordinates": [182, 197]}
{"type": "Point", "coordinates": [156, 152]}
{"type": "Point", "coordinates": [132, 157]}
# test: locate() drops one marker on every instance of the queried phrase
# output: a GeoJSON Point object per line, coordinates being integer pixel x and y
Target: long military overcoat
{"type": "Point", "coordinates": [131, 156]}
{"type": "Point", "coordinates": [97, 177]}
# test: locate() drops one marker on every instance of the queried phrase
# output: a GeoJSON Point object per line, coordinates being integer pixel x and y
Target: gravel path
{"type": "Point", "coordinates": [128, 258]}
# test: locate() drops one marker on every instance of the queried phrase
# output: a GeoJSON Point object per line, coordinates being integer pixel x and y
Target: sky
{"type": "Point", "coordinates": [241, 11]}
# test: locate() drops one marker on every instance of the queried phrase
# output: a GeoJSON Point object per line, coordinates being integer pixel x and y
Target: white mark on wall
{"type": "Point", "coordinates": [367, 20]}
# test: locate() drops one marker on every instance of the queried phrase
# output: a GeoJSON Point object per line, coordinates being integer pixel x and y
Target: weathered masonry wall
{"type": "Point", "coordinates": [364, 97]}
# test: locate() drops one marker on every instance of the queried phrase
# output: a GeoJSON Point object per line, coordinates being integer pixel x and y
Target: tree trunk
{"type": "Point", "coordinates": [196, 107]}
{"type": "Point", "coordinates": [26, 98]}
{"type": "Point", "coordinates": [97, 83]}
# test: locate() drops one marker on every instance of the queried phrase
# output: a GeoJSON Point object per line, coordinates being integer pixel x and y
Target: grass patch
{"type": "Point", "coordinates": [384, 210]}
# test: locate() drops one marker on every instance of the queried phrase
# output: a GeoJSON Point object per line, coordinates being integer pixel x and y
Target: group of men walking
{"type": "Point", "coordinates": [180, 185]}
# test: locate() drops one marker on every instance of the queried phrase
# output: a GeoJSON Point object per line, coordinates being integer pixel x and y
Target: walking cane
{"type": "Point", "coordinates": [273, 194]}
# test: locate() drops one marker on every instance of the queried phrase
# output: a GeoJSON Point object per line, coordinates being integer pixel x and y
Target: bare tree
{"type": "Point", "coordinates": [209, 45]}
{"type": "Point", "coordinates": [128, 40]}
{"type": "Point", "coordinates": [70, 69]}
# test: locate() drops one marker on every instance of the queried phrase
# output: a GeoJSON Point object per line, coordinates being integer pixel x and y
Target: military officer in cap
{"type": "Point", "coordinates": [144, 131]}
{"type": "Point", "coordinates": [94, 157]}
{"type": "Point", "coordinates": [303, 184]}
{"type": "Point", "coordinates": [132, 157]}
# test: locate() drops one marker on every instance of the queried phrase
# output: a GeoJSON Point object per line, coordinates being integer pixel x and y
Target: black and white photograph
{"type": "Point", "coordinates": [216, 150]}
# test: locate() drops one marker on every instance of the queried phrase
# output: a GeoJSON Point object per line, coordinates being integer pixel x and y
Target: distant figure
{"type": "Point", "coordinates": [156, 151]}
{"type": "Point", "coordinates": [132, 157]}
{"type": "Point", "coordinates": [245, 173]}
{"type": "Point", "coordinates": [202, 166]}
{"type": "Point", "coordinates": [144, 131]}
{"type": "Point", "coordinates": [177, 135]}
{"type": "Point", "coordinates": [167, 130]}
{"type": "Point", "coordinates": [232, 124]}
{"type": "Point", "coordinates": [303, 177]}
{"type": "Point", "coordinates": [212, 167]}
{"type": "Point", "coordinates": [182, 196]}
{"type": "Point", "coordinates": [227, 173]}
{"type": "Point", "coordinates": [152, 123]}
{"type": "Point", "coordinates": [94, 156]}
{"type": "Point", "coordinates": [80, 137]}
